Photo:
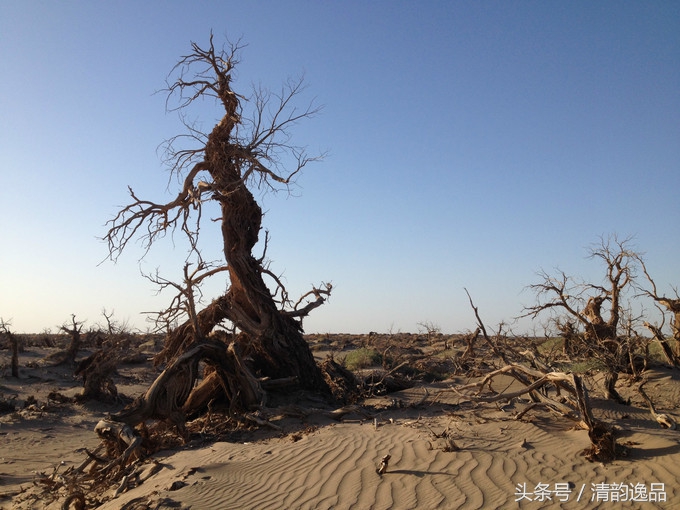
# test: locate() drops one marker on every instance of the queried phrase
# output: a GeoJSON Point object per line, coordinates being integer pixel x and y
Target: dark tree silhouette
{"type": "Point", "coordinates": [245, 151]}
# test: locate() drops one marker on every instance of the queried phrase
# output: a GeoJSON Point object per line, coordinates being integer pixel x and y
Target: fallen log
{"type": "Point", "coordinates": [261, 422]}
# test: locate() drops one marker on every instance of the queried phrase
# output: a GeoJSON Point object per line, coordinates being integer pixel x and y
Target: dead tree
{"type": "Point", "coordinates": [244, 152]}
{"type": "Point", "coordinates": [470, 339]}
{"type": "Point", "coordinates": [113, 327]}
{"type": "Point", "coordinates": [498, 352]}
{"type": "Point", "coordinates": [14, 346]}
{"type": "Point", "coordinates": [666, 305]}
{"type": "Point", "coordinates": [569, 333]}
{"type": "Point", "coordinates": [583, 302]}
{"type": "Point", "coordinates": [97, 372]}
{"type": "Point", "coordinates": [74, 345]}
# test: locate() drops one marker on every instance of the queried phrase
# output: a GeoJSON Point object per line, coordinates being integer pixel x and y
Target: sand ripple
{"type": "Point", "coordinates": [335, 466]}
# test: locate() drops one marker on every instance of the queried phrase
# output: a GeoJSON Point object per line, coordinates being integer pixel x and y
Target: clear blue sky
{"type": "Point", "coordinates": [471, 144]}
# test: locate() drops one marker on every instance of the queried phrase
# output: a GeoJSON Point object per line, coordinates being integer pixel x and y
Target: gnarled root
{"type": "Point", "coordinates": [169, 396]}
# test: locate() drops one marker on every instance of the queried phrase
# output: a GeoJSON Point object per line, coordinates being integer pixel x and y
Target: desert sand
{"type": "Point", "coordinates": [445, 451]}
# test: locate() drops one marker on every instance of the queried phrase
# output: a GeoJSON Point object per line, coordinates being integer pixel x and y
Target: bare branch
{"type": "Point", "coordinates": [185, 300]}
{"type": "Point", "coordinates": [158, 218]}
{"type": "Point", "coordinates": [318, 301]}
{"type": "Point", "coordinates": [495, 349]}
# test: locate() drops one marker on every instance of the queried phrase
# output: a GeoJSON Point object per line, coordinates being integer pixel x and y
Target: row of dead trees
{"type": "Point", "coordinates": [564, 394]}
{"type": "Point", "coordinates": [110, 344]}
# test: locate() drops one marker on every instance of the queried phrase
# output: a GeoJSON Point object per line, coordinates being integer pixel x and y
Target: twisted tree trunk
{"type": "Point", "coordinates": [271, 337]}
{"type": "Point", "coordinates": [239, 154]}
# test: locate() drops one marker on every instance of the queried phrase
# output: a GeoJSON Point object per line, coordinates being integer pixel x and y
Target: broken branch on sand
{"type": "Point", "coordinates": [122, 434]}
{"type": "Point", "coordinates": [662, 419]}
{"type": "Point", "coordinates": [382, 468]}
{"type": "Point", "coordinates": [601, 435]}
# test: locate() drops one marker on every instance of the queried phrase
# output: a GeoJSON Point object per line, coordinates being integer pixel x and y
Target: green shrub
{"type": "Point", "coordinates": [362, 358]}
{"type": "Point", "coordinates": [656, 352]}
{"type": "Point", "coordinates": [551, 345]}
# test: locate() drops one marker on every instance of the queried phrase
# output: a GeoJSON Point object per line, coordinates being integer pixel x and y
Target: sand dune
{"type": "Point", "coordinates": [335, 467]}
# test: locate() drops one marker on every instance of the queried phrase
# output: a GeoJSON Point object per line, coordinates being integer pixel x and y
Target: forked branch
{"type": "Point", "coordinates": [152, 221]}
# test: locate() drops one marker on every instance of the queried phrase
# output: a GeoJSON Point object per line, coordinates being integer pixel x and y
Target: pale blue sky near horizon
{"type": "Point", "coordinates": [470, 145]}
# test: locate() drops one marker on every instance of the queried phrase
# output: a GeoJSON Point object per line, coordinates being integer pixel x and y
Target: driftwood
{"type": "Point", "coordinates": [261, 421]}
{"type": "Point", "coordinates": [601, 435]}
{"type": "Point", "coordinates": [336, 414]}
{"type": "Point", "coordinates": [122, 435]}
{"type": "Point", "coordinates": [383, 465]}
{"type": "Point", "coordinates": [664, 420]}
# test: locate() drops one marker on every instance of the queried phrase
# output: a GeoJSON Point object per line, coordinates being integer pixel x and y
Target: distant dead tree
{"type": "Point", "coordinates": [14, 345]}
{"type": "Point", "coordinates": [73, 330]}
{"type": "Point", "coordinates": [431, 329]}
{"type": "Point", "coordinates": [249, 150]}
{"type": "Point", "coordinates": [113, 327]}
{"type": "Point", "coordinates": [97, 369]}
{"type": "Point", "coordinates": [583, 303]}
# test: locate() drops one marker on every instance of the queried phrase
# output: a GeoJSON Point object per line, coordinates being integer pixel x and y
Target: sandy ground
{"type": "Point", "coordinates": [488, 459]}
